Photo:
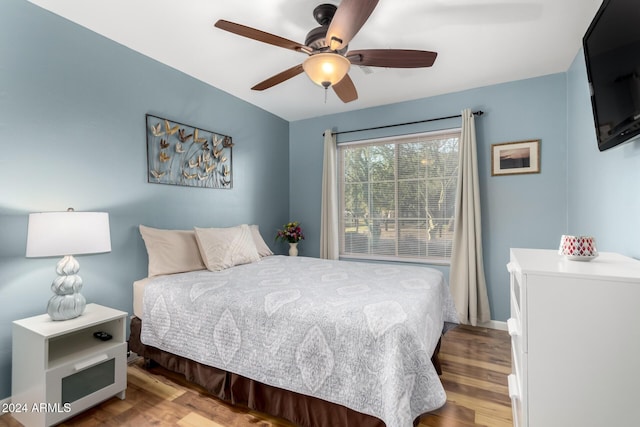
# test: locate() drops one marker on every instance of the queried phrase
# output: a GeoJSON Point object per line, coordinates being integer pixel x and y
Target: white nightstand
{"type": "Point", "coordinates": [60, 368]}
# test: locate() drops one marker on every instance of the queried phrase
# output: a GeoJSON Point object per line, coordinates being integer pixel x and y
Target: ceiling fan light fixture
{"type": "Point", "coordinates": [326, 69]}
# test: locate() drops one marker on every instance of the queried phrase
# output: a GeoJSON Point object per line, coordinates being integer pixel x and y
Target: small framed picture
{"type": "Point", "coordinates": [510, 158]}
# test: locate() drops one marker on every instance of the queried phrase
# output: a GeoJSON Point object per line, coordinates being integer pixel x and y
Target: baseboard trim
{"type": "Point", "coordinates": [495, 324]}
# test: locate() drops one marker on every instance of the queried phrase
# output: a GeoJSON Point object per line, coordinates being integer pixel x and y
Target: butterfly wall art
{"type": "Point", "coordinates": [180, 154]}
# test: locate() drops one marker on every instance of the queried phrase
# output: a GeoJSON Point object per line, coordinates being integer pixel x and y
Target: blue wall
{"type": "Point", "coordinates": [603, 200]}
{"type": "Point", "coordinates": [72, 108]}
{"type": "Point", "coordinates": [72, 133]}
{"type": "Point", "coordinates": [517, 211]}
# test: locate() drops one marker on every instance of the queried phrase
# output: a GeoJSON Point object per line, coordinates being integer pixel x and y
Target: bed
{"type": "Point", "coordinates": [317, 342]}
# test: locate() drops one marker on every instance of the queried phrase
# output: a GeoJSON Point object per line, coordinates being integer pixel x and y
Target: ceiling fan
{"type": "Point", "coordinates": [328, 58]}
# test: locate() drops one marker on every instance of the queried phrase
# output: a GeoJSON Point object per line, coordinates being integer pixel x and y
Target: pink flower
{"type": "Point", "coordinates": [291, 232]}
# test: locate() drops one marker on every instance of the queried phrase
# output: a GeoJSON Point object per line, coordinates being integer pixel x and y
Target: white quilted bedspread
{"type": "Point", "coordinates": [357, 334]}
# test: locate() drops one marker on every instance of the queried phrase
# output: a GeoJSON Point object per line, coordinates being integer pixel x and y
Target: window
{"type": "Point", "coordinates": [398, 197]}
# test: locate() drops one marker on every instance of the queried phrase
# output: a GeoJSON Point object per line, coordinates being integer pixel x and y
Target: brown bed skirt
{"type": "Point", "coordinates": [299, 409]}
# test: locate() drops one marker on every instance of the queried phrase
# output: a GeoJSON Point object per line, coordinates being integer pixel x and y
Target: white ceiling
{"type": "Point", "coordinates": [479, 43]}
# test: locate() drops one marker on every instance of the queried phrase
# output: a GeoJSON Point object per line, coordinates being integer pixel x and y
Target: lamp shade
{"type": "Point", "coordinates": [68, 233]}
{"type": "Point", "coordinates": [326, 69]}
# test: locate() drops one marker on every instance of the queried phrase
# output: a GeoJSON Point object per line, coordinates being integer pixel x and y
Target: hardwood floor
{"type": "Point", "coordinates": [475, 364]}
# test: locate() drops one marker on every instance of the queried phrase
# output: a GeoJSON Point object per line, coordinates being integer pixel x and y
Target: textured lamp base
{"type": "Point", "coordinates": [65, 307]}
{"type": "Point", "coordinates": [68, 302]}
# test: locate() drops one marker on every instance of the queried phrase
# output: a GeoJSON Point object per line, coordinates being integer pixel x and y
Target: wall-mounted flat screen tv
{"type": "Point", "coordinates": [612, 54]}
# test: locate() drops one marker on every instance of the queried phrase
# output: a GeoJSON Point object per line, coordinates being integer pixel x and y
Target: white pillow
{"type": "Point", "coordinates": [222, 248]}
{"type": "Point", "coordinates": [171, 251]}
{"type": "Point", "coordinates": [261, 246]}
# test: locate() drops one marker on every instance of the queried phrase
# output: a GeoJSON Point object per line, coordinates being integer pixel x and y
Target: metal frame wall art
{"type": "Point", "coordinates": [180, 154]}
{"type": "Point", "coordinates": [510, 158]}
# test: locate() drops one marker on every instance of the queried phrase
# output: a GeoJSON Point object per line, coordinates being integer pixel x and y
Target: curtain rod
{"type": "Point", "coordinates": [475, 113]}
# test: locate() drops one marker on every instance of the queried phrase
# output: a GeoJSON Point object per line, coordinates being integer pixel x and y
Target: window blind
{"type": "Point", "coordinates": [398, 197]}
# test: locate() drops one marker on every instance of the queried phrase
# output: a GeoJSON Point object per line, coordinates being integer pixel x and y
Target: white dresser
{"type": "Point", "coordinates": [575, 335]}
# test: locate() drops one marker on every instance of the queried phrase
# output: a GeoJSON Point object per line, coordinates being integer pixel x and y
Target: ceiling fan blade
{"type": "Point", "coordinates": [279, 78]}
{"type": "Point", "coordinates": [347, 21]}
{"type": "Point", "coordinates": [392, 58]}
{"type": "Point", "coordinates": [345, 89]}
{"type": "Point", "coordinates": [261, 36]}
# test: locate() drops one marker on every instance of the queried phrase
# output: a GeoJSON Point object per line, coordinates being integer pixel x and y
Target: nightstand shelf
{"type": "Point", "coordinates": [60, 368]}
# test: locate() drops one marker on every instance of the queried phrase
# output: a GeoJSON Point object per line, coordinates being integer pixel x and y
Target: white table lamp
{"type": "Point", "coordinates": [66, 234]}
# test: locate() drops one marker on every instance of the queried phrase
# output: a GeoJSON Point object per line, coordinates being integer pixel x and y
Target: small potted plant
{"type": "Point", "coordinates": [292, 234]}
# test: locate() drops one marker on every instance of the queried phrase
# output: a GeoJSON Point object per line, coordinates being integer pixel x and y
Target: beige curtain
{"type": "Point", "coordinates": [329, 246]}
{"type": "Point", "coordinates": [466, 277]}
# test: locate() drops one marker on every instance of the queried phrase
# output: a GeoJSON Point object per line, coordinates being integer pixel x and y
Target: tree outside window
{"type": "Point", "coordinates": [398, 197]}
